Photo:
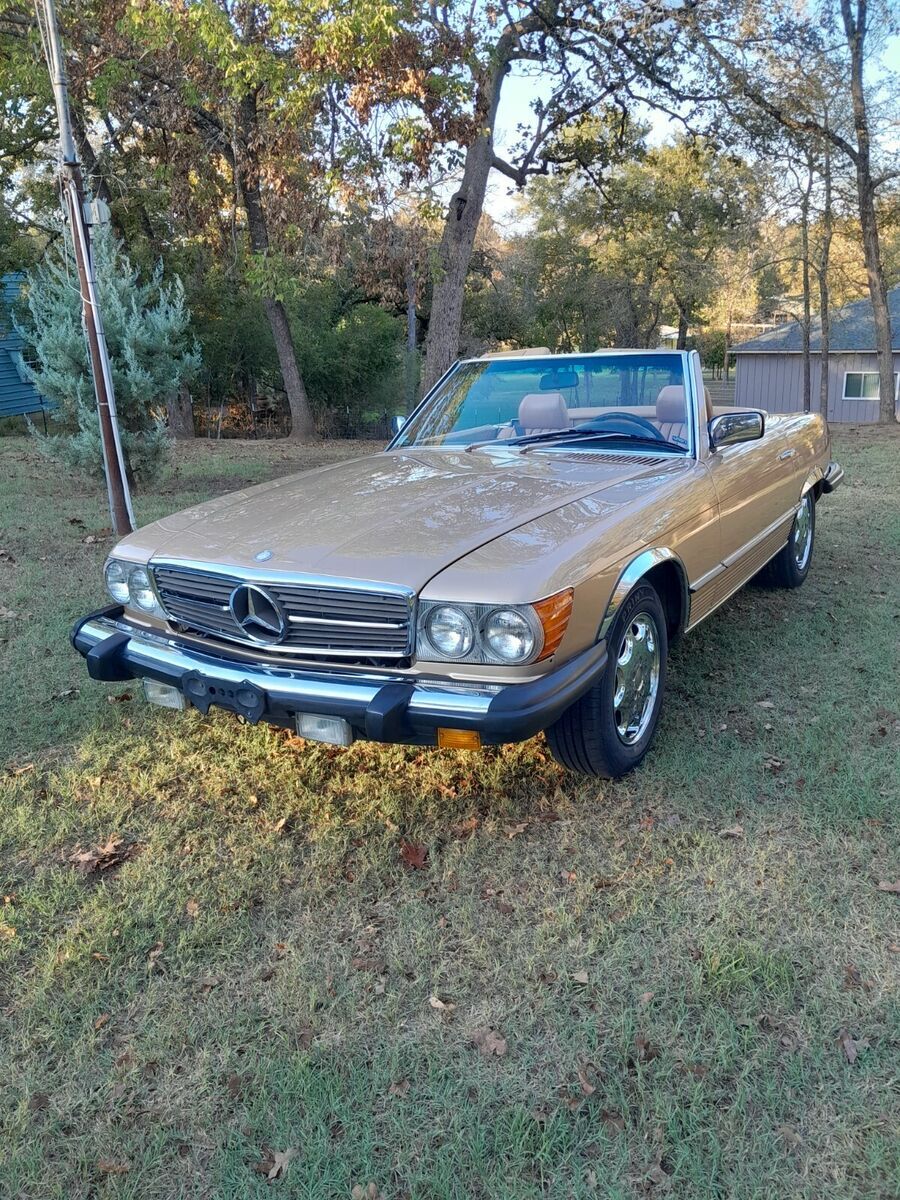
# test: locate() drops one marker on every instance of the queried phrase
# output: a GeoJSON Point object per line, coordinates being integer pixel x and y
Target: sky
{"type": "Point", "coordinates": [524, 85]}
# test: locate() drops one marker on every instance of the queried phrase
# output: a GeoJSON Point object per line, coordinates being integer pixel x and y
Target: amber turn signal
{"type": "Point", "coordinates": [553, 614]}
{"type": "Point", "coordinates": [459, 739]}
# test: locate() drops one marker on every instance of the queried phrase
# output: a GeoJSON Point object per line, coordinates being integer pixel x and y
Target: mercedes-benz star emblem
{"type": "Point", "coordinates": [258, 614]}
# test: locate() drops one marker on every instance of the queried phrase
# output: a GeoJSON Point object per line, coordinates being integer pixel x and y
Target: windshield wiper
{"type": "Point", "coordinates": [567, 435]}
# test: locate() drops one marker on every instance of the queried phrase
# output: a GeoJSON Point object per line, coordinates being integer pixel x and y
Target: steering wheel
{"type": "Point", "coordinates": [631, 421]}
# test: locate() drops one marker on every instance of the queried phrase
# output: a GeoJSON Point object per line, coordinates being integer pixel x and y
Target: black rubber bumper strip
{"type": "Point", "coordinates": [516, 712]}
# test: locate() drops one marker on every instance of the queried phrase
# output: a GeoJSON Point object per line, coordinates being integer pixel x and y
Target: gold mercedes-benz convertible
{"type": "Point", "coordinates": [519, 558]}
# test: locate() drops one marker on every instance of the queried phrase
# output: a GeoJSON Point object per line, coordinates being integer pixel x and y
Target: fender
{"type": "Point", "coordinates": [815, 476]}
{"type": "Point", "coordinates": [634, 572]}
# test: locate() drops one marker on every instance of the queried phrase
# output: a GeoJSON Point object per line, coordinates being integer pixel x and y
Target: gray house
{"type": "Point", "coordinates": [769, 368]}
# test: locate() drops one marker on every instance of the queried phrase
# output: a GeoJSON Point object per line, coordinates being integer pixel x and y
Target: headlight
{"type": "Point", "coordinates": [509, 635]}
{"type": "Point", "coordinates": [142, 594]}
{"type": "Point", "coordinates": [488, 633]}
{"type": "Point", "coordinates": [450, 631]}
{"type": "Point", "coordinates": [128, 583]}
{"type": "Point", "coordinates": [117, 581]}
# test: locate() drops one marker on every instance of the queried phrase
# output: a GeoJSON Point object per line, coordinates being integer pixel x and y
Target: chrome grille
{"type": "Point", "coordinates": [323, 619]}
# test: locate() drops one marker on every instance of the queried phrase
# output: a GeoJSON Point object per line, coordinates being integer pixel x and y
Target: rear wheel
{"type": "Point", "coordinates": [790, 566]}
{"type": "Point", "coordinates": [609, 730]}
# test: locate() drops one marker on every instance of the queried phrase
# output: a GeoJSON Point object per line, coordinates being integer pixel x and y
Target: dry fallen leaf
{"type": "Point", "coordinates": [587, 1088]}
{"type": "Point", "coordinates": [192, 908]}
{"type": "Point", "coordinates": [490, 1042]}
{"type": "Point", "coordinates": [765, 704]}
{"type": "Point", "coordinates": [733, 831]}
{"type": "Point", "coordinates": [851, 1046]}
{"type": "Point", "coordinates": [414, 854]}
{"type": "Point", "coordinates": [789, 1135]}
{"type": "Point", "coordinates": [886, 886]}
{"type": "Point", "coordinates": [369, 1192]}
{"type": "Point", "coordinates": [106, 1167]}
{"type": "Point", "coordinates": [441, 1005]}
{"type": "Point", "coordinates": [644, 999]}
{"type": "Point", "coordinates": [514, 830]}
{"type": "Point", "coordinates": [155, 951]}
{"type": "Point", "coordinates": [280, 1161]}
{"type": "Point", "coordinates": [101, 1020]}
{"type": "Point", "coordinates": [399, 1088]}
{"type": "Point", "coordinates": [580, 977]}
{"type": "Point", "coordinates": [614, 1122]}
{"type": "Point", "coordinates": [112, 853]}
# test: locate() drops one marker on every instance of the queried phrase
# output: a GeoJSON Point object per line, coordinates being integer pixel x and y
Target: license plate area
{"type": "Point", "coordinates": [244, 698]}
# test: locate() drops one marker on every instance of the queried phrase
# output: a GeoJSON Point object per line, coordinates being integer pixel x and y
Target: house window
{"type": "Point", "coordinates": [864, 385]}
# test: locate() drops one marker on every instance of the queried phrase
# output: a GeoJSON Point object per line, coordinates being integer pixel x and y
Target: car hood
{"type": "Point", "coordinates": [397, 517]}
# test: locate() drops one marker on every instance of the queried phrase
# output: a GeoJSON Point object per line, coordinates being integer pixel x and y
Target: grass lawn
{"type": "Point", "coordinates": [448, 975]}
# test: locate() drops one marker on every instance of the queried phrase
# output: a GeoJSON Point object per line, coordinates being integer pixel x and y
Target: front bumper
{"type": "Point", "coordinates": [833, 477]}
{"type": "Point", "coordinates": [379, 706]}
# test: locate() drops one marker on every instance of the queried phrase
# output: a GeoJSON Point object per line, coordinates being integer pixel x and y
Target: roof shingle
{"type": "Point", "coordinates": [852, 329]}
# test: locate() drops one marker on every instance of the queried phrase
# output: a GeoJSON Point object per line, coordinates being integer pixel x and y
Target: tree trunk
{"type": "Point", "coordinates": [855, 29]}
{"type": "Point", "coordinates": [804, 263]}
{"type": "Point", "coordinates": [681, 341]}
{"type": "Point", "coordinates": [181, 414]}
{"type": "Point", "coordinates": [824, 258]}
{"type": "Point", "coordinates": [461, 226]}
{"type": "Point", "coordinates": [247, 178]}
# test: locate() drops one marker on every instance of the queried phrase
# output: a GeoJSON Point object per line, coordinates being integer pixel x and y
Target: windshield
{"type": "Point", "coordinates": [621, 398]}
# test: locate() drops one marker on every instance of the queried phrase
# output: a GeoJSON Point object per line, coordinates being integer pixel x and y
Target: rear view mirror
{"type": "Point", "coordinates": [733, 427]}
{"type": "Point", "coordinates": [558, 380]}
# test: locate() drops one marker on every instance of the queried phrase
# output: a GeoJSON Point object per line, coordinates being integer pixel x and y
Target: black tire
{"type": "Point", "coordinates": [789, 568]}
{"type": "Point", "coordinates": [586, 737]}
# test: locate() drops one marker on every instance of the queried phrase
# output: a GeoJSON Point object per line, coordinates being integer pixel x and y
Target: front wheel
{"type": "Point", "coordinates": [790, 566]}
{"type": "Point", "coordinates": [609, 730]}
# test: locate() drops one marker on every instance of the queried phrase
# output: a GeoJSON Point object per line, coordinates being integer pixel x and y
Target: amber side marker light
{"type": "Point", "coordinates": [553, 614]}
{"type": "Point", "coordinates": [459, 739]}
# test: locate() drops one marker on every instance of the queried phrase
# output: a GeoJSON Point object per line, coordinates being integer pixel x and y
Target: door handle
{"type": "Point", "coordinates": [787, 454]}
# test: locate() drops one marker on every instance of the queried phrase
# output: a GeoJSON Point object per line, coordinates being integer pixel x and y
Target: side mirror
{"type": "Point", "coordinates": [397, 423]}
{"type": "Point", "coordinates": [733, 427]}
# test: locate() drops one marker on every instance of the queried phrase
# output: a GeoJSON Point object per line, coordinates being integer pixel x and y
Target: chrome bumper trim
{"type": "Point", "coordinates": [149, 652]}
{"type": "Point", "coordinates": [833, 477]}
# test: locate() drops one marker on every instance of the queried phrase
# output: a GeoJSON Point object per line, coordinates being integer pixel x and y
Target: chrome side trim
{"type": "Point", "coordinates": [703, 580]}
{"type": "Point", "coordinates": [760, 537]}
{"type": "Point", "coordinates": [635, 571]}
{"type": "Point", "coordinates": [738, 554]}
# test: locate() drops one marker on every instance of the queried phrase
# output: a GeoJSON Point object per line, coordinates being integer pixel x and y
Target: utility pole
{"type": "Point", "coordinates": [72, 184]}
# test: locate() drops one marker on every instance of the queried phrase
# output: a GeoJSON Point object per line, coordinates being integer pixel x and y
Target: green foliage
{"type": "Point", "coordinates": [151, 352]}
{"type": "Point", "coordinates": [609, 258]}
{"type": "Point", "coordinates": [350, 353]}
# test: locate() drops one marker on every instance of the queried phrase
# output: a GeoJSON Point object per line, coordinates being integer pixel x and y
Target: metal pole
{"type": "Point", "coordinates": [73, 189]}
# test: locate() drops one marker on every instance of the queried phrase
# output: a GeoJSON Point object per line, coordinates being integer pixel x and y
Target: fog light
{"type": "Point", "coordinates": [459, 739]}
{"type": "Point", "coordinates": [333, 730]}
{"type": "Point", "coordinates": [163, 694]}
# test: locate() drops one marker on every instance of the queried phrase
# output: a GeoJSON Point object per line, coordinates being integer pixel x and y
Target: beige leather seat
{"type": "Point", "coordinates": [671, 414]}
{"type": "Point", "coordinates": [543, 412]}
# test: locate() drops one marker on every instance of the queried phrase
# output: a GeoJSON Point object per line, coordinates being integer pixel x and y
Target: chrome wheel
{"type": "Point", "coordinates": [637, 678]}
{"type": "Point", "coordinates": [801, 539]}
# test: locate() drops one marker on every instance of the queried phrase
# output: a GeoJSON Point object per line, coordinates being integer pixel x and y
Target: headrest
{"type": "Point", "coordinates": [671, 408]}
{"type": "Point", "coordinates": [543, 410]}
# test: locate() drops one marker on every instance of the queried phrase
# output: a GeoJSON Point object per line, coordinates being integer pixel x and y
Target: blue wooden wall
{"type": "Point", "coordinates": [17, 394]}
